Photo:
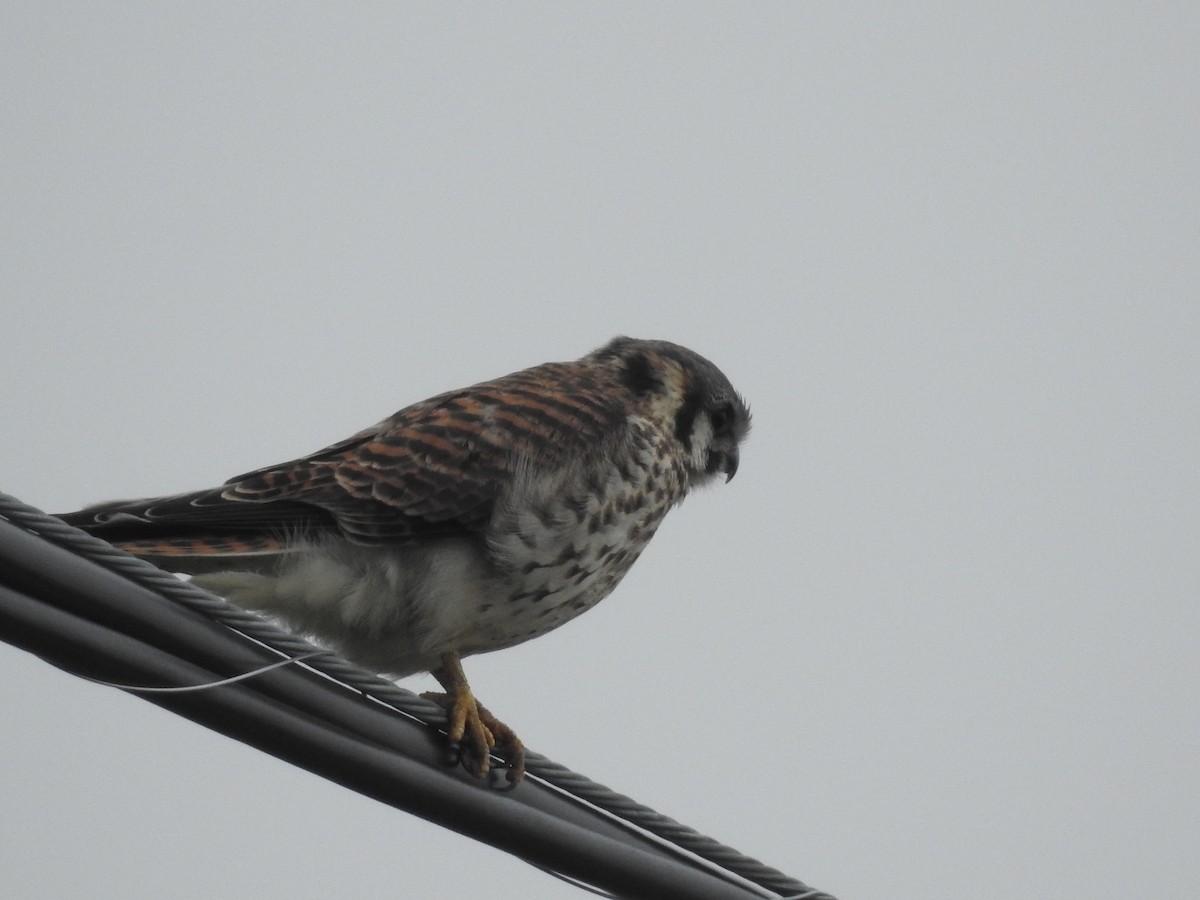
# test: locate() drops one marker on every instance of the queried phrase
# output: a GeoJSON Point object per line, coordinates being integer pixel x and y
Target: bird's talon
{"type": "Point", "coordinates": [473, 733]}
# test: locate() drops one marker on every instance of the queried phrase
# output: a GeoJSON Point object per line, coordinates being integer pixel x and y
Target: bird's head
{"type": "Point", "coordinates": [707, 416]}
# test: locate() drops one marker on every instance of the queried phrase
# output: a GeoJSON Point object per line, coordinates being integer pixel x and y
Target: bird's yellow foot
{"type": "Point", "coordinates": [474, 733]}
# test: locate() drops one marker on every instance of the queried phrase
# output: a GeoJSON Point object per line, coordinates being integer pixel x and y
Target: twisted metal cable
{"type": "Point", "coordinates": [61, 534]}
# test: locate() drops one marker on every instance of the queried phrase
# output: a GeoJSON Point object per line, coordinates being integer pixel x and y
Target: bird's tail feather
{"type": "Point", "coordinates": [200, 531]}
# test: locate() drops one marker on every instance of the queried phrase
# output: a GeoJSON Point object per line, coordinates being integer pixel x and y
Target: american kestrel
{"type": "Point", "coordinates": [466, 523]}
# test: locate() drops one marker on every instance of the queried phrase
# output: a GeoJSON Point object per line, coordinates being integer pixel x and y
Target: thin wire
{"type": "Point", "coordinates": [208, 685]}
{"type": "Point", "coordinates": [574, 882]}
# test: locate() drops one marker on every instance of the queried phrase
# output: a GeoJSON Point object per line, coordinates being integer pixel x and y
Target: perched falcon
{"type": "Point", "coordinates": [469, 522]}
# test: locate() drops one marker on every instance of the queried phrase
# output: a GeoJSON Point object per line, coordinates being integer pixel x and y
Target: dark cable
{"type": "Point", "coordinates": [162, 625]}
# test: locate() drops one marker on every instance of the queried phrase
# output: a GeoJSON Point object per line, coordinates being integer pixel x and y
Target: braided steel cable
{"type": "Point", "coordinates": [623, 808]}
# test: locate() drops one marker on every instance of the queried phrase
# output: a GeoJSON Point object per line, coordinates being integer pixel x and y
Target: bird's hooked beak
{"type": "Point", "coordinates": [731, 465]}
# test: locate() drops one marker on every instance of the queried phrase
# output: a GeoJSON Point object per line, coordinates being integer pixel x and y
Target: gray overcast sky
{"type": "Point", "coordinates": [937, 639]}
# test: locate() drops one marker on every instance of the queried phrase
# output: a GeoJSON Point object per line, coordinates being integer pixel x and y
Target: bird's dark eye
{"type": "Point", "coordinates": [722, 419]}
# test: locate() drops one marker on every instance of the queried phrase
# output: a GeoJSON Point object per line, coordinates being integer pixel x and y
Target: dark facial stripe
{"type": "Point", "coordinates": [685, 419]}
{"type": "Point", "coordinates": [639, 376]}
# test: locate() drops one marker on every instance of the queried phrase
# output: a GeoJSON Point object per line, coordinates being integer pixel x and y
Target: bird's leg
{"type": "Point", "coordinates": [473, 731]}
{"type": "Point", "coordinates": [464, 720]}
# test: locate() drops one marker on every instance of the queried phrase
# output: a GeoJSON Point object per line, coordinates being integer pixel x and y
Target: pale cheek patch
{"type": "Point", "coordinates": [702, 438]}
